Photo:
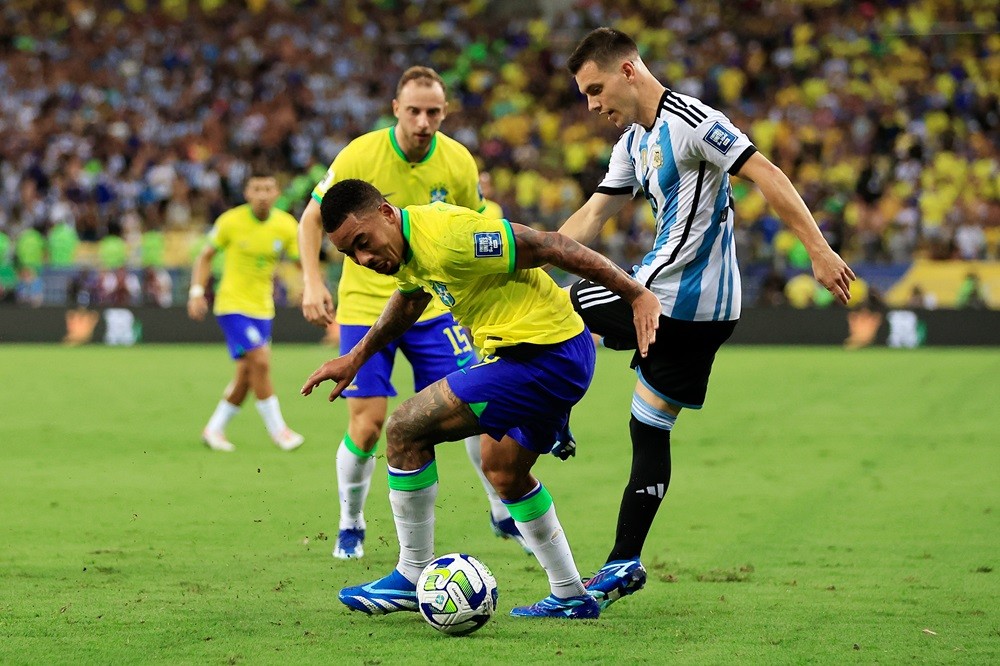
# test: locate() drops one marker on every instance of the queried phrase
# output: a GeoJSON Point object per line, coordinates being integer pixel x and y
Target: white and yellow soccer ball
{"type": "Point", "coordinates": [456, 594]}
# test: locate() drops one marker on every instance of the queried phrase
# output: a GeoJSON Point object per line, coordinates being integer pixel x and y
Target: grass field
{"type": "Point", "coordinates": [826, 507]}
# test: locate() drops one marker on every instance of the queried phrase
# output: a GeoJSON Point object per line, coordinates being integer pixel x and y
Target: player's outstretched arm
{"type": "Point", "coordinates": [584, 225]}
{"type": "Point", "coordinates": [830, 270]}
{"type": "Point", "coordinates": [317, 302]}
{"type": "Point", "coordinates": [537, 248]}
{"type": "Point", "coordinates": [401, 312]}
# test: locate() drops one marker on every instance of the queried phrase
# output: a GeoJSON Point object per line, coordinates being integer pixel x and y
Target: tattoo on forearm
{"type": "Point", "coordinates": [566, 253]}
{"type": "Point", "coordinates": [400, 313]}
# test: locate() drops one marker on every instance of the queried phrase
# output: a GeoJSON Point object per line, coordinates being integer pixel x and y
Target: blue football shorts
{"type": "Point", "coordinates": [527, 391]}
{"type": "Point", "coordinates": [243, 333]}
{"type": "Point", "coordinates": [434, 348]}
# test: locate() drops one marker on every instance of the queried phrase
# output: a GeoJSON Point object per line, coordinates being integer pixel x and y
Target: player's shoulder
{"type": "Point", "coordinates": [360, 147]}
{"type": "Point", "coordinates": [686, 111]}
{"type": "Point", "coordinates": [284, 218]}
{"type": "Point", "coordinates": [453, 148]}
{"type": "Point", "coordinates": [234, 215]}
{"type": "Point", "coordinates": [442, 219]}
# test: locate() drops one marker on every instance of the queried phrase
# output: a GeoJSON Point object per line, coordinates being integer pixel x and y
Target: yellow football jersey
{"type": "Point", "coordinates": [252, 249]}
{"type": "Point", "coordinates": [466, 261]}
{"type": "Point", "coordinates": [448, 173]}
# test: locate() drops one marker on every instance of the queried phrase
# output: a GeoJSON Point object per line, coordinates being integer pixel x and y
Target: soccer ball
{"type": "Point", "coordinates": [456, 594]}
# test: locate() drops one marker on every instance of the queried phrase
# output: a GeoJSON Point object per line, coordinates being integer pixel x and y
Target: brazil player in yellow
{"type": "Point", "coordinates": [413, 163]}
{"type": "Point", "coordinates": [539, 362]}
{"type": "Point", "coordinates": [253, 237]}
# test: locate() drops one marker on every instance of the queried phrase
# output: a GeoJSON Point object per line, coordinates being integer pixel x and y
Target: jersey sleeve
{"type": "Point", "coordinates": [406, 286]}
{"type": "Point", "coordinates": [342, 168]}
{"type": "Point", "coordinates": [712, 137]}
{"type": "Point", "coordinates": [221, 233]}
{"type": "Point", "coordinates": [620, 178]}
{"type": "Point", "coordinates": [292, 239]}
{"type": "Point", "coordinates": [479, 246]}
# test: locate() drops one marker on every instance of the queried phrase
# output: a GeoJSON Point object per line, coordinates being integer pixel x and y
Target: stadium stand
{"type": "Point", "coordinates": [143, 117]}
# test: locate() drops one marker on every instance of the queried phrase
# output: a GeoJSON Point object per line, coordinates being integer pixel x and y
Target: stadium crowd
{"type": "Point", "coordinates": [121, 121]}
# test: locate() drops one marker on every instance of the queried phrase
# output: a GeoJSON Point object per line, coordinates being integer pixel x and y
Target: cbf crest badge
{"type": "Point", "coordinates": [439, 192]}
{"type": "Point", "coordinates": [442, 292]}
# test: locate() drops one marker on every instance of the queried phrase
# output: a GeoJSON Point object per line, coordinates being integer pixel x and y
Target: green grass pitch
{"type": "Point", "coordinates": [826, 507]}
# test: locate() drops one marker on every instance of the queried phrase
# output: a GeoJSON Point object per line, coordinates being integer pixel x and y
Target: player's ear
{"type": "Point", "coordinates": [386, 210]}
{"type": "Point", "coordinates": [444, 111]}
{"type": "Point", "coordinates": [395, 107]}
{"type": "Point", "coordinates": [628, 69]}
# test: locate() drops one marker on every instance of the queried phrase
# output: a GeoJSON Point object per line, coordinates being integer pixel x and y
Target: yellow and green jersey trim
{"type": "Point", "coordinates": [402, 155]}
{"type": "Point", "coordinates": [511, 259]}
{"type": "Point", "coordinates": [407, 251]}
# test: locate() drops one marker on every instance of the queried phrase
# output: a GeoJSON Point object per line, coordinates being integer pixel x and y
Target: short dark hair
{"type": "Point", "coordinates": [603, 46]}
{"type": "Point", "coordinates": [346, 197]}
{"type": "Point", "coordinates": [424, 75]}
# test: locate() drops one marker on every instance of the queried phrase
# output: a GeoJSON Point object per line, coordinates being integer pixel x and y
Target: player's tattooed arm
{"type": "Point", "coordinates": [400, 313]}
{"type": "Point", "coordinates": [537, 248]}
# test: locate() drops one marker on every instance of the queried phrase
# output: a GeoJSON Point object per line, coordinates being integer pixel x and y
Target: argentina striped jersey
{"type": "Point", "coordinates": [682, 165]}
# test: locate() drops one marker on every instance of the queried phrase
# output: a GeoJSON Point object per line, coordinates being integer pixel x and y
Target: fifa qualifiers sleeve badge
{"type": "Point", "coordinates": [488, 244]}
{"type": "Point", "coordinates": [720, 138]}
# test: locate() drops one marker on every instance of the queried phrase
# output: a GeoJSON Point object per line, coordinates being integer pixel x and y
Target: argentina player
{"type": "Point", "coordinates": [679, 153]}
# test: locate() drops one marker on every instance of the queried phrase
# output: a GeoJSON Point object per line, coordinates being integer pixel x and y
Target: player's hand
{"type": "Point", "coordinates": [646, 317]}
{"type": "Point", "coordinates": [833, 273]}
{"type": "Point", "coordinates": [317, 304]}
{"type": "Point", "coordinates": [197, 307]}
{"type": "Point", "coordinates": [340, 370]}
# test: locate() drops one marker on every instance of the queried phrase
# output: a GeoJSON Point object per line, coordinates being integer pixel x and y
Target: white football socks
{"type": "Point", "coordinates": [546, 539]}
{"type": "Point", "coordinates": [413, 512]}
{"type": "Point", "coordinates": [473, 446]}
{"type": "Point", "coordinates": [270, 411]}
{"type": "Point", "coordinates": [224, 412]}
{"type": "Point", "coordinates": [354, 478]}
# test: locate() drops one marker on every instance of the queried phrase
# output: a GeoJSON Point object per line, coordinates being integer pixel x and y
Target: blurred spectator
{"type": "Point", "coordinates": [119, 288]}
{"type": "Point", "coordinates": [492, 209]}
{"type": "Point", "coordinates": [157, 287]}
{"type": "Point", "coordinates": [772, 290]}
{"type": "Point", "coordinates": [82, 290]}
{"type": "Point", "coordinates": [920, 299]}
{"type": "Point", "coordinates": [971, 294]}
{"type": "Point", "coordinates": [887, 120]}
{"type": "Point", "coordinates": [29, 290]}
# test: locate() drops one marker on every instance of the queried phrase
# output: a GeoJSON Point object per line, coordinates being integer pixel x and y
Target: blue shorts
{"type": "Point", "coordinates": [244, 333]}
{"type": "Point", "coordinates": [434, 348]}
{"type": "Point", "coordinates": [527, 391]}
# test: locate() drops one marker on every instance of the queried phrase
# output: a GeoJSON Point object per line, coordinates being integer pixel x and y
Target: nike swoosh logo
{"type": "Point", "coordinates": [462, 362]}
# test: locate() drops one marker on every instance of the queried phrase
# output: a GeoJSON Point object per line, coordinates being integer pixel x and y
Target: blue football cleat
{"type": "Point", "coordinates": [507, 529]}
{"type": "Point", "coordinates": [616, 580]}
{"type": "Point", "coordinates": [583, 607]}
{"type": "Point", "coordinates": [385, 595]}
{"type": "Point", "coordinates": [350, 544]}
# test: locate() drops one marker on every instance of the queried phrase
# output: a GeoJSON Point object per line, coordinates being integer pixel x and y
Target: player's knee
{"type": "Point", "coordinates": [399, 432]}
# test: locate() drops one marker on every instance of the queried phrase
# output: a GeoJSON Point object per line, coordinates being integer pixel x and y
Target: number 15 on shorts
{"type": "Point", "coordinates": [459, 340]}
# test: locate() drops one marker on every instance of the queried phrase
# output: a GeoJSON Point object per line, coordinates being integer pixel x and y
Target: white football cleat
{"type": "Point", "coordinates": [288, 439]}
{"type": "Point", "coordinates": [216, 440]}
